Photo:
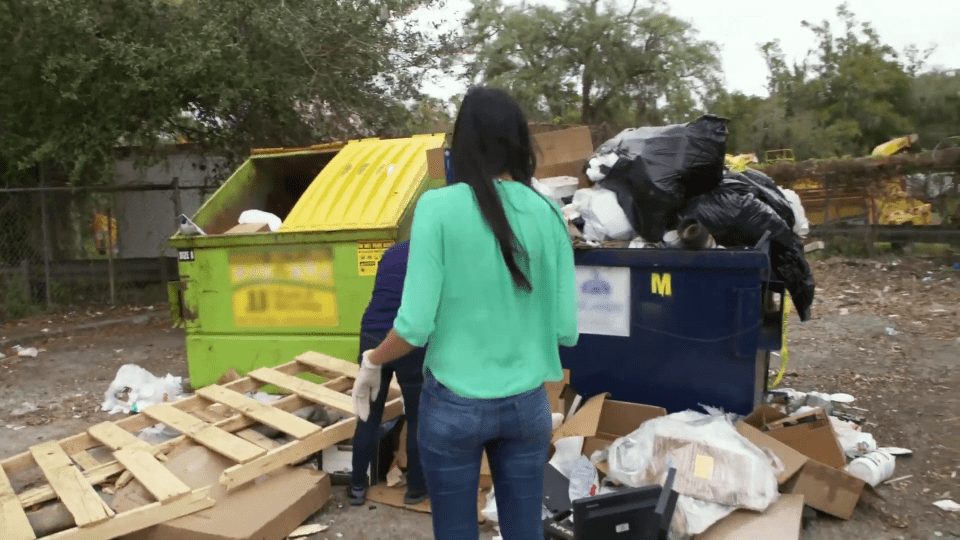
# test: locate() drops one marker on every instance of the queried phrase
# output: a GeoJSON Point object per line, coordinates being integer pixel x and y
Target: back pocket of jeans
{"type": "Point", "coordinates": [448, 428]}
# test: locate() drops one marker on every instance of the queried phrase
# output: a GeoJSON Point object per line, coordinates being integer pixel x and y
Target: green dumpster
{"type": "Point", "coordinates": [258, 300]}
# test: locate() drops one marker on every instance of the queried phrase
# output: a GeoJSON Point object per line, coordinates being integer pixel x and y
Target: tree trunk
{"type": "Point", "coordinates": [586, 107]}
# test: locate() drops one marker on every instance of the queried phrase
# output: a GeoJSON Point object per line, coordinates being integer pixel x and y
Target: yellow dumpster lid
{"type": "Point", "coordinates": [367, 185]}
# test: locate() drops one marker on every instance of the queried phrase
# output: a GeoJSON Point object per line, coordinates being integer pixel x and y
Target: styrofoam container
{"type": "Point", "coordinates": [873, 468]}
{"type": "Point", "coordinates": [563, 186]}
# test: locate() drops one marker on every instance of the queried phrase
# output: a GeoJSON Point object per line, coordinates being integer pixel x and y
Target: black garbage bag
{"type": "Point", "coordinates": [790, 266]}
{"type": "Point", "coordinates": [659, 167]}
{"type": "Point", "coordinates": [736, 217]}
{"type": "Point", "coordinates": [767, 191]}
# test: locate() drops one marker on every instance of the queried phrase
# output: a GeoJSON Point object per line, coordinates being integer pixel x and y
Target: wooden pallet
{"type": "Point", "coordinates": [220, 418]}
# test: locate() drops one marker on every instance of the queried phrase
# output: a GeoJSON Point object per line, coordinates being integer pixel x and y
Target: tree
{"type": "Point", "coordinates": [81, 77]}
{"type": "Point", "coordinates": [626, 67]}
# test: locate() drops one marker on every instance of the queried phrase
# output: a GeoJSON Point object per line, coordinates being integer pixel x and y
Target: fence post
{"type": "Point", "coordinates": [25, 268]}
{"type": "Point", "coordinates": [110, 246]}
{"type": "Point", "coordinates": [45, 229]}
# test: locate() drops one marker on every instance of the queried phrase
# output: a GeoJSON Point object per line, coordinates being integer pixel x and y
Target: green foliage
{"type": "Point", "coordinates": [850, 94]}
{"type": "Point", "coordinates": [80, 77]}
{"type": "Point", "coordinates": [14, 301]}
{"type": "Point", "coordinates": [591, 64]}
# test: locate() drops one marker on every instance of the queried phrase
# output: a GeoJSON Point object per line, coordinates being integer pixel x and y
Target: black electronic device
{"type": "Point", "coordinates": [632, 514]}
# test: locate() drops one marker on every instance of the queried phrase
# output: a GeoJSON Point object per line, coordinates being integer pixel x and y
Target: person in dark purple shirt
{"type": "Point", "coordinates": [376, 323]}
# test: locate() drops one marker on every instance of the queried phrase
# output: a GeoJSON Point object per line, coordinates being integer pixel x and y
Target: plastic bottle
{"type": "Point", "coordinates": [873, 468]}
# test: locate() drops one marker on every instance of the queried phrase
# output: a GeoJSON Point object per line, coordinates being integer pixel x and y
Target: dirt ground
{"type": "Point", "coordinates": [906, 385]}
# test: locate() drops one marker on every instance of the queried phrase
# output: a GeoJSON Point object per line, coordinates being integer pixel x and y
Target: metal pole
{"type": "Point", "coordinates": [46, 235]}
{"type": "Point", "coordinates": [110, 245]}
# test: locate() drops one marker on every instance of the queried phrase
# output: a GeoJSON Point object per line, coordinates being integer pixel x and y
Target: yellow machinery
{"type": "Point", "coordinates": [895, 146]}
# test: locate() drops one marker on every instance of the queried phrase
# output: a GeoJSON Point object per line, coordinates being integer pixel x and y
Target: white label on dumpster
{"type": "Point", "coordinates": [603, 301]}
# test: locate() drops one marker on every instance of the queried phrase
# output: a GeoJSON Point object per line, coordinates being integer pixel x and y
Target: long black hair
{"type": "Point", "coordinates": [491, 137]}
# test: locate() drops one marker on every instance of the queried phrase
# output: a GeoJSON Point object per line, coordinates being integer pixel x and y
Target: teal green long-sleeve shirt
{"type": "Point", "coordinates": [488, 339]}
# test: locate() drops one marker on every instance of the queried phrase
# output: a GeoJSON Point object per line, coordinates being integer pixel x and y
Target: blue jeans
{"type": "Point", "coordinates": [454, 431]}
{"type": "Point", "coordinates": [409, 370]}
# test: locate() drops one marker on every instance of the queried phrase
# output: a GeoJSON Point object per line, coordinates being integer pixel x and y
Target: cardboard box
{"type": "Point", "coordinates": [248, 228]}
{"type": "Point", "coordinates": [559, 153]}
{"type": "Point", "coordinates": [781, 521]}
{"type": "Point", "coordinates": [619, 419]}
{"type": "Point", "coordinates": [268, 508]}
{"type": "Point", "coordinates": [827, 489]}
{"type": "Point", "coordinates": [792, 460]}
{"type": "Point", "coordinates": [812, 435]}
{"type": "Point", "coordinates": [763, 415]}
{"type": "Point", "coordinates": [393, 496]}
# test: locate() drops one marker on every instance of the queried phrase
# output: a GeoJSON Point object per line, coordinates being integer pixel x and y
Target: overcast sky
{"type": "Point", "coordinates": [738, 26]}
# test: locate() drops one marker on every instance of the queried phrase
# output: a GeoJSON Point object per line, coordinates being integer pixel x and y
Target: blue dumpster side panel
{"type": "Point", "coordinates": [692, 342]}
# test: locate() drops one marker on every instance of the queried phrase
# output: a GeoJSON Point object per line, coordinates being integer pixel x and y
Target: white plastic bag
{"type": "Point", "coordinates": [259, 216]}
{"type": "Point", "coordinates": [489, 511]}
{"type": "Point", "coordinates": [700, 446]}
{"type": "Point", "coordinates": [142, 389]}
{"type": "Point", "coordinates": [603, 216]}
{"type": "Point", "coordinates": [802, 226]}
{"type": "Point", "coordinates": [584, 481]}
{"type": "Point", "coordinates": [853, 441]}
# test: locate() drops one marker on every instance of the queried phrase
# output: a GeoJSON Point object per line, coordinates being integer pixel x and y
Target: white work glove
{"type": "Point", "coordinates": [366, 387]}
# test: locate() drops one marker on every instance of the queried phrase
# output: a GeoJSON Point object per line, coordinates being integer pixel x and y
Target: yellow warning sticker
{"type": "Point", "coordinates": [703, 468]}
{"type": "Point", "coordinates": [369, 255]}
{"type": "Point", "coordinates": [283, 288]}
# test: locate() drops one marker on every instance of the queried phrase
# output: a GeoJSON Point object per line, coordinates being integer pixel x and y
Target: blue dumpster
{"type": "Point", "coordinates": [675, 328]}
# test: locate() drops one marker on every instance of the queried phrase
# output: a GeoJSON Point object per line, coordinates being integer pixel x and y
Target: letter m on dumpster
{"type": "Point", "coordinates": [660, 284]}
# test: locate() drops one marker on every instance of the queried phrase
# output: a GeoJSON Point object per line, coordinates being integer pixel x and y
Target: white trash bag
{"type": "Point", "coordinates": [141, 389]}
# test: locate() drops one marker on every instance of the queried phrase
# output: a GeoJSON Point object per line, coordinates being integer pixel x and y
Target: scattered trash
{"type": "Point", "coordinates": [890, 331]}
{"type": "Point", "coordinates": [395, 477]}
{"type": "Point", "coordinates": [873, 468]}
{"type": "Point", "coordinates": [259, 216]}
{"type": "Point", "coordinates": [900, 479]}
{"type": "Point", "coordinates": [307, 530]}
{"type": "Point", "coordinates": [28, 352]}
{"type": "Point", "coordinates": [842, 398]}
{"type": "Point", "coordinates": [135, 388]}
{"type": "Point", "coordinates": [895, 451]}
{"type": "Point", "coordinates": [584, 481]}
{"type": "Point", "coordinates": [814, 246]}
{"type": "Point", "coordinates": [948, 505]}
{"type": "Point", "coordinates": [928, 278]}
{"type": "Point", "coordinates": [853, 441]}
{"type": "Point", "coordinates": [189, 228]}
{"type": "Point", "coordinates": [718, 470]}
{"type": "Point", "coordinates": [802, 225]}
{"type": "Point", "coordinates": [489, 511]}
{"type": "Point", "coordinates": [25, 409]}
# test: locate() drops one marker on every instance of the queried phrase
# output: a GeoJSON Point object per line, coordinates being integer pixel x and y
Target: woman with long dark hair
{"type": "Point", "coordinates": [490, 284]}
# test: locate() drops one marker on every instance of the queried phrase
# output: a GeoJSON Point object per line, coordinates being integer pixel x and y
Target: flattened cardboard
{"type": "Point", "coordinates": [555, 389]}
{"type": "Point", "coordinates": [827, 489]}
{"type": "Point", "coordinates": [812, 435]}
{"type": "Point", "coordinates": [269, 508]}
{"type": "Point", "coordinates": [559, 153]}
{"type": "Point", "coordinates": [393, 496]}
{"type": "Point", "coordinates": [248, 228]}
{"type": "Point", "coordinates": [792, 460]}
{"type": "Point", "coordinates": [781, 521]}
{"type": "Point", "coordinates": [762, 416]}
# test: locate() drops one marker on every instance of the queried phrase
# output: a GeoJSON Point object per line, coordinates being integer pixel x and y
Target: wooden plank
{"type": "Point", "coordinates": [85, 460]}
{"type": "Point", "coordinates": [292, 452]}
{"type": "Point", "coordinates": [140, 518]}
{"type": "Point", "coordinates": [14, 524]}
{"type": "Point", "coordinates": [208, 435]}
{"type": "Point", "coordinates": [330, 367]}
{"type": "Point", "coordinates": [158, 480]}
{"type": "Point", "coordinates": [115, 437]}
{"type": "Point", "coordinates": [305, 389]}
{"type": "Point", "coordinates": [108, 470]}
{"type": "Point", "coordinates": [297, 451]}
{"type": "Point", "coordinates": [265, 414]}
{"type": "Point", "coordinates": [258, 439]}
{"type": "Point", "coordinates": [73, 489]}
